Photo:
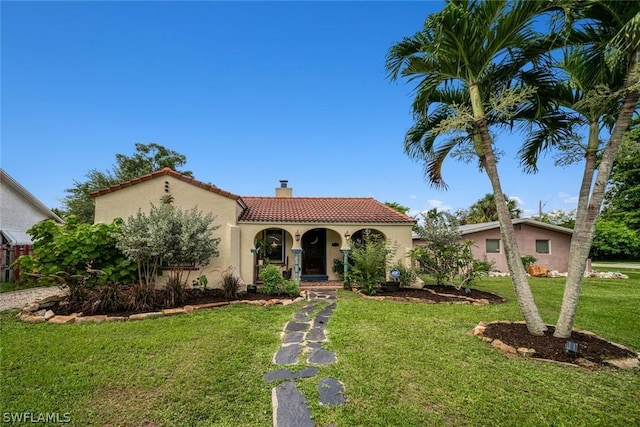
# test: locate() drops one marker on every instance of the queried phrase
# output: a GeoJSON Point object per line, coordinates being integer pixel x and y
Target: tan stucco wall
{"type": "Point", "coordinates": [237, 239]}
{"type": "Point", "coordinates": [398, 234]}
{"type": "Point", "coordinates": [526, 236]}
{"type": "Point", "coordinates": [126, 202]}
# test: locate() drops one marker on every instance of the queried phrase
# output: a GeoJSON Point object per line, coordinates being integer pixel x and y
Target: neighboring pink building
{"type": "Point", "coordinates": [547, 242]}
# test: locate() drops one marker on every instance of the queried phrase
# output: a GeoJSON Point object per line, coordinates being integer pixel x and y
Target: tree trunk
{"type": "Point", "coordinates": [535, 324]}
{"type": "Point", "coordinates": [589, 208]}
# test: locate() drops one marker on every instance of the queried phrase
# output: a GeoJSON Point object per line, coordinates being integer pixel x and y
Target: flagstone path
{"type": "Point", "coordinates": [305, 335]}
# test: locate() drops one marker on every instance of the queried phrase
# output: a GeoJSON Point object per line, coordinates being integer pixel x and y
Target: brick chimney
{"type": "Point", "coordinates": [283, 190]}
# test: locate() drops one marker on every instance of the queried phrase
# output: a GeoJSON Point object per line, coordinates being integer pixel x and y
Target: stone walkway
{"type": "Point", "coordinates": [18, 299]}
{"type": "Point", "coordinates": [304, 336]}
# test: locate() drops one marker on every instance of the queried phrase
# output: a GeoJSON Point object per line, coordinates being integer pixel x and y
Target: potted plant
{"type": "Point", "coordinates": [261, 248]}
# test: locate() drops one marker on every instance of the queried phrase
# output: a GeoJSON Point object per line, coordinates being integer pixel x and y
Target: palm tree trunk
{"type": "Point", "coordinates": [580, 240]}
{"type": "Point", "coordinates": [589, 208]}
{"type": "Point", "coordinates": [535, 324]}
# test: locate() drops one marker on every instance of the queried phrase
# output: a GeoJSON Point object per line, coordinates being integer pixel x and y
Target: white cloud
{"type": "Point", "coordinates": [413, 196]}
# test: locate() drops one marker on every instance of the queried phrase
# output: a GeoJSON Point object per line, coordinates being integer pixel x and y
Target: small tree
{"type": "Point", "coordinates": [183, 239]}
{"type": "Point", "coordinates": [444, 255]}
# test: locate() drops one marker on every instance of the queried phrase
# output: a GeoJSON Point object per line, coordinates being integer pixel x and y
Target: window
{"type": "Point", "coordinates": [274, 245]}
{"type": "Point", "coordinates": [493, 246]}
{"type": "Point", "coordinates": [542, 246]}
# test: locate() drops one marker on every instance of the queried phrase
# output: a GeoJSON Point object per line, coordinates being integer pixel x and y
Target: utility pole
{"type": "Point", "coordinates": [540, 206]}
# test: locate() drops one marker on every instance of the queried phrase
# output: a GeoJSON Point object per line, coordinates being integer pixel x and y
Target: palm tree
{"type": "Point", "coordinates": [475, 62]}
{"type": "Point", "coordinates": [604, 76]}
{"type": "Point", "coordinates": [484, 210]}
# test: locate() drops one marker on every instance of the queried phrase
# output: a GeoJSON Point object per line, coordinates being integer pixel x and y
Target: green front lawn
{"type": "Point", "coordinates": [401, 364]}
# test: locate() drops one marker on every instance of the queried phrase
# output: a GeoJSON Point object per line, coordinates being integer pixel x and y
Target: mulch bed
{"type": "Point", "coordinates": [194, 297]}
{"type": "Point", "coordinates": [590, 347]}
{"type": "Point", "coordinates": [443, 294]}
{"type": "Point", "coordinates": [592, 350]}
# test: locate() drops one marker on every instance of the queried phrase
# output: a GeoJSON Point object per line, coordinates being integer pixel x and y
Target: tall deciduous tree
{"type": "Point", "coordinates": [474, 62]}
{"type": "Point", "coordinates": [147, 158]}
{"type": "Point", "coordinates": [622, 199]}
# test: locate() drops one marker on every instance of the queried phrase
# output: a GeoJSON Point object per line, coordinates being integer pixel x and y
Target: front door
{"type": "Point", "coordinates": [314, 252]}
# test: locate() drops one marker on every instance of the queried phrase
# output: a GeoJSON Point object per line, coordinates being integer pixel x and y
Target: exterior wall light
{"type": "Point", "coordinates": [297, 236]}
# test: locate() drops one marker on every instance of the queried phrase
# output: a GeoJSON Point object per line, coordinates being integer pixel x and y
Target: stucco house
{"type": "Point", "coordinates": [19, 211]}
{"type": "Point", "coordinates": [302, 235]}
{"type": "Point", "coordinates": [548, 243]}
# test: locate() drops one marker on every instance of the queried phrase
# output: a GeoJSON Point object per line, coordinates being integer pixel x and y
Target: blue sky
{"type": "Point", "coordinates": [250, 92]}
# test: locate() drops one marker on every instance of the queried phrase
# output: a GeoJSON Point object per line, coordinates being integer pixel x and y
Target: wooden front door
{"type": "Point", "coordinates": [314, 252]}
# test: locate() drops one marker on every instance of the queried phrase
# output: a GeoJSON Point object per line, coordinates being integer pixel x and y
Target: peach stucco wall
{"type": "Point", "coordinates": [526, 235]}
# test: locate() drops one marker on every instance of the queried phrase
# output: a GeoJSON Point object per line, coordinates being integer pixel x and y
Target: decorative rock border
{"type": "Point", "coordinates": [625, 363]}
{"type": "Point", "coordinates": [462, 299]}
{"type": "Point", "coordinates": [40, 311]}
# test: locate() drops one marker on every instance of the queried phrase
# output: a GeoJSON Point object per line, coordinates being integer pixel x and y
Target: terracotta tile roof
{"type": "Point", "coordinates": [320, 209]}
{"type": "Point", "coordinates": [169, 172]}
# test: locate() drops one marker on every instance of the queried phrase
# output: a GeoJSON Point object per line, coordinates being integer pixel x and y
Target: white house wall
{"type": "Point", "coordinates": [17, 213]}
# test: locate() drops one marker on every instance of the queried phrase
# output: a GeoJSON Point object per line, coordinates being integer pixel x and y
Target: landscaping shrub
{"type": "Point", "coordinates": [174, 293]}
{"type": "Point", "coordinates": [140, 297]}
{"type": "Point", "coordinates": [200, 282]}
{"type": "Point", "coordinates": [338, 265]}
{"type": "Point", "coordinates": [274, 284]}
{"type": "Point", "coordinates": [483, 266]}
{"type": "Point", "coordinates": [370, 259]}
{"type": "Point", "coordinates": [74, 249]}
{"type": "Point", "coordinates": [107, 297]}
{"type": "Point", "coordinates": [528, 260]}
{"type": "Point", "coordinates": [271, 279]}
{"type": "Point", "coordinates": [230, 282]}
{"type": "Point", "coordinates": [291, 288]}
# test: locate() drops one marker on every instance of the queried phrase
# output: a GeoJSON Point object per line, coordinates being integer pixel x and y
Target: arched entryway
{"type": "Point", "coordinates": [273, 246]}
{"type": "Point", "coordinates": [366, 233]}
{"type": "Point", "coordinates": [314, 255]}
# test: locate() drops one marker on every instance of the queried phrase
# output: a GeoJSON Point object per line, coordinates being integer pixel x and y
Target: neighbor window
{"type": "Point", "coordinates": [493, 246]}
{"type": "Point", "coordinates": [542, 246]}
